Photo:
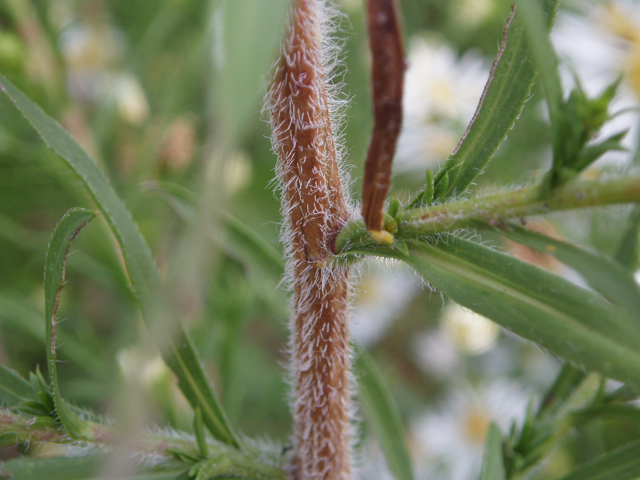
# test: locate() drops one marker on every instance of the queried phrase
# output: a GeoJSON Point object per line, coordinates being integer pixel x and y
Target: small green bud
{"type": "Point", "coordinates": [428, 189]}
{"type": "Point", "coordinates": [401, 245]}
{"type": "Point", "coordinates": [389, 223]}
{"type": "Point", "coordinates": [394, 207]}
{"type": "Point", "coordinates": [441, 186]}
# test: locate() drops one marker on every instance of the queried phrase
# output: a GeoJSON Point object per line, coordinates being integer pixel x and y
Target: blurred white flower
{"type": "Point", "coordinates": [372, 464]}
{"type": "Point", "coordinates": [237, 171]}
{"type": "Point", "coordinates": [471, 333]}
{"type": "Point", "coordinates": [471, 13]}
{"type": "Point", "coordinates": [436, 354]}
{"type": "Point", "coordinates": [92, 51]}
{"type": "Point", "coordinates": [130, 98]}
{"type": "Point", "coordinates": [452, 436]}
{"type": "Point", "coordinates": [139, 367]}
{"type": "Point", "coordinates": [383, 295]}
{"type": "Point", "coordinates": [461, 331]}
{"type": "Point", "coordinates": [442, 91]}
{"type": "Point", "coordinates": [600, 43]}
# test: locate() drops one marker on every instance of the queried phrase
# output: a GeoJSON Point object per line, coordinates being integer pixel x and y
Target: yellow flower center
{"type": "Point", "coordinates": [476, 425]}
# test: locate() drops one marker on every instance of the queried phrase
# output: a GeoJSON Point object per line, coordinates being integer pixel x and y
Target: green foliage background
{"type": "Point", "coordinates": [201, 65]}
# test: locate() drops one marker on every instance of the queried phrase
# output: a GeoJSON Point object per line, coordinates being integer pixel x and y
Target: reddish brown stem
{"type": "Point", "coordinates": [385, 39]}
{"type": "Point", "coordinates": [315, 210]}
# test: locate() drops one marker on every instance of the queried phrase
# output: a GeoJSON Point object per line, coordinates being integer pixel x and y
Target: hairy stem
{"type": "Point", "coordinates": [315, 210]}
{"type": "Point", "coordinates": [503, 206]}
{"type": "Point", "coordinates": [16, 427]}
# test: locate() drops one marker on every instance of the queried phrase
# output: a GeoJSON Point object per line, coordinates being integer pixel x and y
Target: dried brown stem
{"type": "Point", "coordinates": [385, 39]}
{"type": "Point", "coordinates": [315, 210]}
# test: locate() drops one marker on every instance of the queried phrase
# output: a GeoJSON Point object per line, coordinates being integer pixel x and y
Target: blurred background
{"type": "Point", "coordinates": [166, 96]}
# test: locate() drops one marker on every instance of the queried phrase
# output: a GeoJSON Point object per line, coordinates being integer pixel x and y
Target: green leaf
{"type": "Point", "coordinates": [492, 463]}
{"type": "Point", "coordinates": [246, 34]}
{"type": "Point", "coordinates": [569, 321]}
{"type": "Point", "coordinates": [503, 99]}
{"type": "Point", "coordinates": [54, 271]}
{"type": "Point", "coordinates": [606, 276]}
{"type": "Point", "coordinates": [18, 311]}
{"type": "Point", "coordinates": [75, 468]}
{"type": "Point", "coordinates": [254, 246]}
{"type": "Point", "coordinates": [13, 388]}
{"type": "Point", "coordinates": [592, 152]}
{"type": "Point", "coordinates": [141, 268]}
{"type": "Point", "coordinates": [628, 414]}
{"type": "Point", "coordinates": [620, 464]}
{"type": "Point", "coordinates": [566, 382]}
{"type": "Point", "coordinates": [536, 21]}
{"type": "Point", "coordinates": [628, 252]}
{"type": "Point", "coordinates": [235, 465]}
{"type": "Point", "coordinates": [240, 237]}
{"type": "Point", "coordinates": [385, 419]}
{"type": "Point", "coordinates": [198, 429]}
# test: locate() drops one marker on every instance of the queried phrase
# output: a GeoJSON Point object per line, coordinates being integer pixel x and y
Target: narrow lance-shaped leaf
{"type": "Point", "coordinates": [566, 382]}
{"type": "Point", "coordinates": [54, 279]}
{"type": "Point", "coordinates": [17, 311]}
{"type": "Point", "coordinates": [620, 464]}
{"type": "Point", "coordinates": [604, 275]}
{"type": "Point", "coordinates": [501, 103]}
{"type": "Point", "coordinates": [492, 463]}
{"type": "Point", "coordinates": [241, 236]}
{"type": "Point", "coordinates": [76, 468]}
{"type": "Point", "coordinates": [569, 321]}
{"type": "Point", "coordinates": [13, 388]}
{"type": "Point", "coordinates": [245, 40]}
{"type": "Point", "coordinates": [628, 251]}
{"type": "Point", "coordinates": [384, 417]}
{"type": "Point", "coordinates": [536, 22]}
{"type": "Point", "coordinates": [142, 271]}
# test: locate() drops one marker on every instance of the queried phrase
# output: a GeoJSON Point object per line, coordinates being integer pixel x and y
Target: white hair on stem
{"type": "Point", "coordinates": [304, 107]}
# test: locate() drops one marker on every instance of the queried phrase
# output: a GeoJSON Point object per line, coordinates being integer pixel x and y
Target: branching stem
{"type": "Point", "coordinates": [502, 206]}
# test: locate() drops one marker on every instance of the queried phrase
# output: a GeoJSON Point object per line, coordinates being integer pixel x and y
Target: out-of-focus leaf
{"type": "Point", "coordinates": [13, 388]}
{"type": "Point", "coordinates": [541, 434]}
{"type": "Point", "coordinates": [628, 251]}
{"type": "Point", "coordinates": [141, 268]}
{"type": "Point", "coordinates": [606, 276]}
{"type": "Point", "coordinates": [234, 465]}
{"type": "Point", "coordinates": [535, 20]}
{"type": "Point", "coordinates": [620, 464]}
{"type": "Point", "coordinates": [241, 237]}
{"type": "Point", "coordinates": [76, 468]}
{"type": "Point", "coordinates": [54, 272]}
{"type": "Point", "coordinates": [492, 463]}
{"type": "Point", "coordinates": [504, 97]}
{"type": "Point", "coordinates": [17, 311]}
{"type": "Point", "coordinates": [569, 321]}
{"type": "Point", "coordinates": [246, 34]}
{"type": "Point", "coordinates": [181, 199]}
{"type": "Point", "coordinates": [627, 413]}
{"type": "Point", "coordinates": [566, 382]}
{"type": "Point", "coordinates": [238, 240]}
{"type": "Point", "coordinates": [384, 417]}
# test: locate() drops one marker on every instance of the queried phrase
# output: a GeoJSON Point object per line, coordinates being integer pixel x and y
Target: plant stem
{"type": "Point", "coordinates": [18, 427]}
{"type": "Point", "coordinates": [315, 210]}
{"type": "Point", "coordinates": [502, 206]}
